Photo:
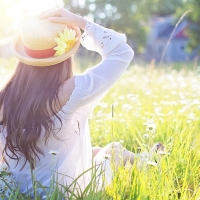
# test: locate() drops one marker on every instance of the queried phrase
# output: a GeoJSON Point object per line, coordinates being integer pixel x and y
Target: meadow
{"type": "Point", "coordinates": [148, 105]}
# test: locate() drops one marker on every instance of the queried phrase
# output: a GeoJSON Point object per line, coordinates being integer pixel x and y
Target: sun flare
{"type": "Point", "coordinates": [15, 12]}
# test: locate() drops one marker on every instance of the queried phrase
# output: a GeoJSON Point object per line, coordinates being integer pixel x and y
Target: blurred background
{"type": "Point", "coordinates": [148, 24]}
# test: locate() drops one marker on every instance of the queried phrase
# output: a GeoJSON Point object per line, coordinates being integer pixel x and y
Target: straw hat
{"type": "Point", "coordinates": [34, 44]}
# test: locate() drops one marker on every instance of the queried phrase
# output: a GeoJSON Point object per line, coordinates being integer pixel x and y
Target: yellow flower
{"type": "Point", "coordinates": [65, 41]}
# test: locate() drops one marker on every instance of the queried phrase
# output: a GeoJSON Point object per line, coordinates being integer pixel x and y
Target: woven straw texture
{"type": "Point", "coordinates": [42, 33]}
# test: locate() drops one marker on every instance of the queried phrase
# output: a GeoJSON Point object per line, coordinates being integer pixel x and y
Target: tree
{"type": "Point", "coordinates": [121, 16]}
{"type": "Point", "coordinates": [163, 7]}
{"type": "Point", "coordinates": [193, 30]}
{"type": "Point", "coordinates": [132, 17]}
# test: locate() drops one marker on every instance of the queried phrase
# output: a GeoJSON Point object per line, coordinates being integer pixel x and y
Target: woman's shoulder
{"type": "Point", "coordinates": [66, 90]}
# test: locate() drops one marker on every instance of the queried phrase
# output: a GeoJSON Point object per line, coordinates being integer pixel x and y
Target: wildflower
{"type": "Point", "coordinates": [130, 95]}
{"type": "Point", "coordinates": [115, 103]}
{"type": "Point", "coordinates": [151, 126]}
{"type": "Point", "coordinates": [146, 136]}
{"type": "Point", "coordinates": [6, 179]}
{"type": "Point", "coordinates": [103, 104]}
{"type": "Point", "coordinates": [107, 156]}
{"type": "Point", "coordinates": [127, 107]}
{"type": "Point", "coordinates": [195, 102]}
{"type": "Point", "coordinates": [121, 97]}
{"type": "Point", "coordinates": [3, 168]}
{"type": "Point", "coordinates": [170, 112]}
{"type": "Point", "coordinates": [191, 116]}
{"type": "Point", "coordinates": [65, 41]}
{"type": "Point", "coordinates": [53, 152]}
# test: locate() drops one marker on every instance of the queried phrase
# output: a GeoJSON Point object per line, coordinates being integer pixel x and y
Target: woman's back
{"type": "Point", "coordinates": [49, 115]}
{"type": "Point", "coordinates": [67, 151]}
{"type": "Point", "coordinates": [65, 91]}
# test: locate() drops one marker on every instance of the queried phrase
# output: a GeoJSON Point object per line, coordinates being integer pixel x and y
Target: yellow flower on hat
{"type": "Point", "coordinates": [65, 41]}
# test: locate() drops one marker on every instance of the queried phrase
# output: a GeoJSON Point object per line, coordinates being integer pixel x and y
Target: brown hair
{"type": "Point", "coordinates": [26, 101]}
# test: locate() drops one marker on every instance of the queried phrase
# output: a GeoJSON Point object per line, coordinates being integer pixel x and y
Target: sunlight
{"type": "Point", "coordinates": [38, 6]}
{"type": "Point", "coordinates": [17, 11]}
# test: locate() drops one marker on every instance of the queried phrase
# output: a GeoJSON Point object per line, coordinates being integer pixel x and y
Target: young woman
{"type": "Point", "coordinates": [45, 107]}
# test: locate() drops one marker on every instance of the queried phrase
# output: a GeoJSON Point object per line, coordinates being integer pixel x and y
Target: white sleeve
{"type": "Point", "coordinates": [116, 54]}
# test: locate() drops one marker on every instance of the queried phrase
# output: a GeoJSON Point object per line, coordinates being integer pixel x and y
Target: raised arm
{"type": "Point", "coordinates": [116, 54]}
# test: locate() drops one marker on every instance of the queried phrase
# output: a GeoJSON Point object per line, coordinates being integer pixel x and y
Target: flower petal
{"type": "Point", "coordinates": [65, 41]}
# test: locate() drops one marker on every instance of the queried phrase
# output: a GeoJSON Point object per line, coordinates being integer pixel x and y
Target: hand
{"type": "Point", "coordinates": [64, 16]}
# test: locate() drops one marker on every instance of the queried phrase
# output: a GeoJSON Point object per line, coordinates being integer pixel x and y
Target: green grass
{"type": "Point", "coordinates": [171, 97]}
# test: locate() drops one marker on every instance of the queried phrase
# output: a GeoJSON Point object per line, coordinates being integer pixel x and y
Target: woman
{"type": "Point", "coordinates": [45, 107]}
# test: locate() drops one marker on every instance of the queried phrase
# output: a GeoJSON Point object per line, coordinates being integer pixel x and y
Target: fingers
{"type": "Point", "coordinates": [46, 11]}
{"type": "Point", "coordinates": [51, 13]}
{"type": "Point", "coordinates": [58, 20]}
{"type": "Point", "coordinates": [65, 17]}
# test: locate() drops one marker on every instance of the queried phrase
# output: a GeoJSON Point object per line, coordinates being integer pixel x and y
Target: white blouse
{"type": "Point", "coordinates": [73, 142]}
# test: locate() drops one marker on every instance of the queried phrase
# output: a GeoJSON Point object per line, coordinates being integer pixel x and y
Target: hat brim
{"type": "Point", "coordinates": [17, 49]}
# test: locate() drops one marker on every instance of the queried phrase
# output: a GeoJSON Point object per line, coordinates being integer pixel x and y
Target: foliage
{"type": "Point", "coordinates": [124, 17]}
{"type": "Point", "coordinates": [162, 8]}
{"type": "Point", "coordinates": [132, 17]}
{"type": "Point", "coordinates": [194, 19]}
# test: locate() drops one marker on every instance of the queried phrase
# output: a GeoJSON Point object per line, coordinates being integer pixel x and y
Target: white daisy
{"type": "Point", "coordinates": [146, 136]}
{"type": "Point", "coordinates": [151, 126]}
{"type": "Point", "coordinates": [53, 152]}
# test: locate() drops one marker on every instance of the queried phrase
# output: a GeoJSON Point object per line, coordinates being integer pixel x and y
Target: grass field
{"type": "Point", "coordinates": [167, 99]}
{"type": "Point", "coordinates": [171, 99]}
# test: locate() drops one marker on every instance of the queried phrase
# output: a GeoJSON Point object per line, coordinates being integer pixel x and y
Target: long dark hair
{"type": "Point", "coordinates": [29, 100]}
